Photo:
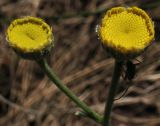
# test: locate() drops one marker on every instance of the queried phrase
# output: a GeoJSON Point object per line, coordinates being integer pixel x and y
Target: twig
{"type": "Point", "coordinates": [135, 120]}
{"type": "Point", "coordinates": [98, 11]}
{"type": "Point", "coordinates": [16, 106]}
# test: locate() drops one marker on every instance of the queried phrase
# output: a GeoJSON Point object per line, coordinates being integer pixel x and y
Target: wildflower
{"type": "Point", "coordinates": [30, 37]}
{"type": "Point", "coordinates": [126, 32]}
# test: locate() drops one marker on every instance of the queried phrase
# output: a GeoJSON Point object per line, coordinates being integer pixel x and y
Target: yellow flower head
{"type": "Point", "coordinates": [31, 37]}
{"type": "Point", "coordinates": [126, 32]}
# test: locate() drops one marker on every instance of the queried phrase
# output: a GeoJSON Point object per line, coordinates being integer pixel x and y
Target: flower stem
{"type": "Point", "coordinates": [54, 78]}
{"type": "Point", "coordinates": [112, 92]}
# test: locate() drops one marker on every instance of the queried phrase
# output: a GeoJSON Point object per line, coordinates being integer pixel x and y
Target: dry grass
{"type": "Point", "coordinates": [28, 98]}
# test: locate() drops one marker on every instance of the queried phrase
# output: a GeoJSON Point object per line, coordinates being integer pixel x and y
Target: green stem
{"type": "Point", "coordinates": [112, 92]}
{"type": "Point", "coordinates": [54, 78]}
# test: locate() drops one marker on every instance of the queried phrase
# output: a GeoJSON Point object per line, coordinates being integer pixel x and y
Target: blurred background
{"type": "Point", "coordinates": [28, 97]}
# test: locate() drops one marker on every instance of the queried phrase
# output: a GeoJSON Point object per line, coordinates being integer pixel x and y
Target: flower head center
{"type": "Point", "coordinates": [29, 36]}
{"type": "Point", "coordinates": [126, 29]}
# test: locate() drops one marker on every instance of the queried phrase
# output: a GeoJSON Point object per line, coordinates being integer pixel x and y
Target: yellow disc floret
{"type": "Point", "coordinates": [29, 35]}
{"type": "Point", "coordinates": [126, 30]}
